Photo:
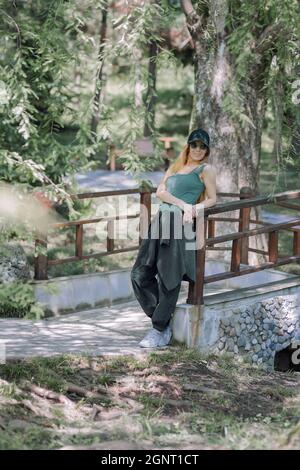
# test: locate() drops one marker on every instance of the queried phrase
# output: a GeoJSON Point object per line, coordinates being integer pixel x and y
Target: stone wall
{"type": "Point", "coordinates": [260, 329]}
{"type": "Point", "coordinates": [253, 323]}
{"type": "Point", "coordinates": [14, 265]}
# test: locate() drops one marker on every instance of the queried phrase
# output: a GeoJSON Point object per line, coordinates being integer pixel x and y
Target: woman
{"type": "Point", "coordinates": [188, 181]}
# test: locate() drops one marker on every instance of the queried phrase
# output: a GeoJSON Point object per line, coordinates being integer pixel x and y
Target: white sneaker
{"type": "Point", "coordinates": [156, 339]}
{"type": "Point", "coordinates": [152, 339]}
{"type": "Point", "coordinates": [167, 335]}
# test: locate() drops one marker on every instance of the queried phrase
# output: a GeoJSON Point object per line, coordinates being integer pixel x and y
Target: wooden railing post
{"type": "Point", "coordinates": [296, 243]}
{"type": "Point", "coordinates": [145, 213]}
{"type": "Point", "coordinates": [196, 289]}
{"type": "Point", "coordinates": [273, 246]}
{"type": "Point", "coordinates": [244, 223]}
{"type": "Point", "coordinates": [79, 240]}
{"type": "Point", "coordinates": [112, 157]}
{"type": "Point", "coordinates": [211, 228]}
{"type": "Point", "coordinates": [110, 242]}
{"type": "Point", "coordinates": [235, 256]}
{"type": "Point", "coordinates": [41, 260]}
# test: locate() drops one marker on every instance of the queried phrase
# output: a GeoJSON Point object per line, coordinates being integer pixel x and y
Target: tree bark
{"type": "Point", "coordinates": [278, 116]}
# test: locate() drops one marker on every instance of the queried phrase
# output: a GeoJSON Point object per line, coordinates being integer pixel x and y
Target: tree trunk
{"type": "Point", "coordinates": [236, 132]}
{"type": "Point", "coordinates": [278, 99]}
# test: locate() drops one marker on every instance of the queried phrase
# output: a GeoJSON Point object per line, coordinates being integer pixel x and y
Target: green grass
{"type": "Point", "coordinates": [50, 373]}
{"type": "Point", "coordinates": [231, 405]}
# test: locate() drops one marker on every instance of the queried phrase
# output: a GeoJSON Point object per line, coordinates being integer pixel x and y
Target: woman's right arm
{"type": "Point", "coordinates": [165, 196]}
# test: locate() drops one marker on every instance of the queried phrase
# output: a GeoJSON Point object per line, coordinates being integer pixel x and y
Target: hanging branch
{"type": "Point", "coordinates": [267, 38]}
{"type": "Point", "coordinates": [265, 47]}
{"type": "Point", "coordinates": [150, 99]}
{"type": "Point", "coordinates": [99, 84]}
{"type": "Point", "coordinates": [278, 110]}
{"type": "Point", "coordinates": [194, 21]}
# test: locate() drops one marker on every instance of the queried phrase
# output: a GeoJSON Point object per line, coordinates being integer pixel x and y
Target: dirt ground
{"type": "Point", "coordinates": [171, 399]}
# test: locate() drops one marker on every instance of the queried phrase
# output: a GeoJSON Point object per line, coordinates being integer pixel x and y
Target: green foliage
{"type": "Point", "coordinates": [38, 50]}
{"type": "Point", "coordinates": [135, 34]}
{"type": "Point", "coordinates": [263, 40]}
{"type": "Point", "coordinates": [17, 301]}
{"type": "Point", "coordinates": [44, 47]}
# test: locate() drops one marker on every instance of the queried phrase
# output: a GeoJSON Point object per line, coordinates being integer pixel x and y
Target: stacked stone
{"type": "Point", "coordinates": [14, 265]}
{"type": "Point", "coordinates": [259, 330]}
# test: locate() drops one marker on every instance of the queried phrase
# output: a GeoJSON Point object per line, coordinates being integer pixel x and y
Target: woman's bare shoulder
{"type": "Point", "coordinates": [168, 173]}
{"type": "Point", "coordinates": [166, 176]}
{"type": "Point", "coordinates": [209, 169]}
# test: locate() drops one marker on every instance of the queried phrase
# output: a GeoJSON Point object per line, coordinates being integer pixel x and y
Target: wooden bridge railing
{"type": "Point", "coordinates": [42, 263]}
{"type": "Point", "coordinates": [240, 239]}
{"type": "Point", "coordinates": [240, 247]}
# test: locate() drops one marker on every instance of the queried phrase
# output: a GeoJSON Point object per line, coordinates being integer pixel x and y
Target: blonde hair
{"type": "Point", "coordinates": [180, 162]}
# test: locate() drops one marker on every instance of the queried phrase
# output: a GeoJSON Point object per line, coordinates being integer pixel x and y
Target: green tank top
{"type": "Point", "coordinates": [187, 187]}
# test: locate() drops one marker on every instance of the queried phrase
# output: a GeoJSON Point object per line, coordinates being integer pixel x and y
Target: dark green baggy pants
{"type": "Point", "coordinates": [156, 300]}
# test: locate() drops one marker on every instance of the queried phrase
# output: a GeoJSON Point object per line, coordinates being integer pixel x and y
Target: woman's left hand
{"type": "Point", "coordinates": [188, 214]}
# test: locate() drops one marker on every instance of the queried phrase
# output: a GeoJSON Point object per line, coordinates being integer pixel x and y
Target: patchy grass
{"type": "Point", "coordinates": [176, 398]}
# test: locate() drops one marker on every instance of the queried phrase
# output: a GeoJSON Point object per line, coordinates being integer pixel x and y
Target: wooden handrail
{"type": "Point", "coordinates": [239, 249]}
{"type": "Point", "coordinates": [251, 202]}
{"type": "Point", "coordinates": [75, 223]}
{"type": "Point", "coordinates": [252, 269]}
{"type": "Point", "coordinates": [249, 233]}
{"type": "Point", "coordinates": [117, 192]}
{"type": "Point", "coordinates": [54, 262]}
{"type": "Point", "coordinates": [120, 192]}
{"type": "Point", "coordinates": [286, 205]}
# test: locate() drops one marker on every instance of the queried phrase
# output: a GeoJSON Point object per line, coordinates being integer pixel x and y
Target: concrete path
{"type": "Point", "coordinates": [102, 331]}
{"type": "Point", "coordinates": [103, 180]}
{"type": "Point", "coordinates": [275, 218]}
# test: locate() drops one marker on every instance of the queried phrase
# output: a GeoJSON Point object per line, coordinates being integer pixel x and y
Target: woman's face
{"type": "Point", "coordinates": [197, 150]}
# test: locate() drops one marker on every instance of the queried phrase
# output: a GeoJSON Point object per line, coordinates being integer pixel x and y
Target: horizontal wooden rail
{"type": "Point", "coordinates": [120, 192]}
{"type": "Point", "coordinates": [252, 269]}
{"type": "Point", "coordinates": [117, 192]}
{"type": "Point", "coordinates": [249, 233]}
{"type": "Point", "coordinates": [74, 223]}
{"type": "Point", "coordinates": [54, 262]}
{"type": "Point", "coordinates": [261, 252]}
{"type": "Point", "coordinates": [287, 205]}
{"type": "Point", "coordinates": [261, 222]}
{"type": "Point", "coordinates": [251, 202]}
